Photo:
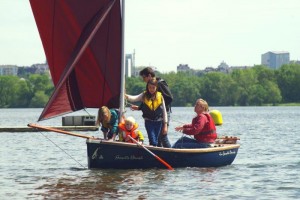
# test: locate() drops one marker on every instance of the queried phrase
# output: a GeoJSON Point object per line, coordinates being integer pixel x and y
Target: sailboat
{"type": "Point", "coordinates": [84, 46]}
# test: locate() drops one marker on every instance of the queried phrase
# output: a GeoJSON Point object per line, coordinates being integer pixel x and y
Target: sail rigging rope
{"type": "Point", "coordinates": [63, 150]}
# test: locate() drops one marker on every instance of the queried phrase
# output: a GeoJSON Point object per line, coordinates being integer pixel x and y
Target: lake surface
{"type": "Point", "coordinates": [43, 165]}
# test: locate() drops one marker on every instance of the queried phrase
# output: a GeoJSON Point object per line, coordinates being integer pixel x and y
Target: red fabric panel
{"type": "Point", "coordinates": [94, 80]}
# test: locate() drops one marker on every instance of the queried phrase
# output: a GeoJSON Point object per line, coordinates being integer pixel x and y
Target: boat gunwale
{"type": "Point", "coordinates": [215, 148]}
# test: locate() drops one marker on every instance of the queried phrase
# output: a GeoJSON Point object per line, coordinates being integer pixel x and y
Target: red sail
{"type": "Point", "coordinates": [82, 43]}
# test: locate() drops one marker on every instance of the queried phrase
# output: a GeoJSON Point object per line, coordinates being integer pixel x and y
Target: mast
{"type": "Point", "coordinates": [122, 61]}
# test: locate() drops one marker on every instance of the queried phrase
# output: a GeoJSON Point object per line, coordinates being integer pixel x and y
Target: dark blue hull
{"type": "Point", "coordinates": [119, 155]}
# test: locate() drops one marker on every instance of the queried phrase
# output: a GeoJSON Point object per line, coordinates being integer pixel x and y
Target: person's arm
{"type": "Point", "coordinates": [187, 126]}
{"type": "Point", "coordinates": [98, 119]}
{"type": "Point", "coordinates": [165, 90]}
{"type": "Point", "coordinates": [165, 117]}
{"type": "Point", "coordinates": [114, 122]}
{"type": "Point", "coordinates": [196, 127]}
{"type": "Point", "coordinates": [141, 137]}
{"type": "Point", "coordinates": [134, 98]}
{"type": "Point", "coordinates": [134, 107]}
{"type": "Point", "coordinates": [121, 139]}
{"type": "Point", "coordinates": [104, 129]}
{"type": "Point", "coordinates": [180, 128]}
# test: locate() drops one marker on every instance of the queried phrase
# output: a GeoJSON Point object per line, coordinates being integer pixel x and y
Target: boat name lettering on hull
{"type": "Point", "coordinates": [225, 153]}
{"type": "Point", "coordinates": [132, 157]}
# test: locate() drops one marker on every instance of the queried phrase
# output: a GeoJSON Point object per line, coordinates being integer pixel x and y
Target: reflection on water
{"type": "Point", "coordinates": [102, 184]}
{"type": "Point", "coordinates": [124, 184]}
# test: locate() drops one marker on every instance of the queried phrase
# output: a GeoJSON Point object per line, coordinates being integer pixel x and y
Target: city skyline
{"type": "Point", "coordinates": [167, 33]}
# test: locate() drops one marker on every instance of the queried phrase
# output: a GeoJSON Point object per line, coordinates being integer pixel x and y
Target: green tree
{"type": "Point", "coordinates": [267, 90]}
{"type": "Point", "coordinates": [289, 82]}
{"type": "Point", "coordinates": [8, 90]}
{"type": "Point", "coordinates": [39, 100]}
{"type": "Point", "coordinates": [217, 88]}
{"type": "Point", "coordinates": [134, 85]}
{"type": "Point", "coordinates": [41, 88]}
{"type": "Point", "coordinates": [40, 82]}
{"type": "Point", "coordinates": [245, 80]}
{"type": "Point", "coordinates": [186, 89]}
{"type": "Point", "coordinates": [273, 93]}
{"type": "Point", "coordinates": [24, 96]}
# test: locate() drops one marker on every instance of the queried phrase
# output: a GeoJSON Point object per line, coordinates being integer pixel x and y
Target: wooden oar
{"type": "Point", "coordinates": [59, 131]}
{"type": "Point", "coordinates": [158, 158]}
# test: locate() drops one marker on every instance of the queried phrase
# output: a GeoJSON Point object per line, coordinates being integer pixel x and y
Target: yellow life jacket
{"type": "Point", "coordinates": [154, 104]}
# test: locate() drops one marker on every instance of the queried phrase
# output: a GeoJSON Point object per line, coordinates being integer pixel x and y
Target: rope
{"type": "Point", "coordinates": [63, 150]}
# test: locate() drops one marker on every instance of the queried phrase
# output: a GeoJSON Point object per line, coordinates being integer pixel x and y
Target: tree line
{"type": "Point", "coordinates": [254, 86]}
{"type": "Point", "coordinates": [31, 92]}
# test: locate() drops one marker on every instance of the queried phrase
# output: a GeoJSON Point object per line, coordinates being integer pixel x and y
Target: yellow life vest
{"type": "Point", "coordinates": [154, 104]}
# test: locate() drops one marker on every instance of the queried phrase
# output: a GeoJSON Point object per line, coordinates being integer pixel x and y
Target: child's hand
{"type": "Point", "coordinates": [134, 107]}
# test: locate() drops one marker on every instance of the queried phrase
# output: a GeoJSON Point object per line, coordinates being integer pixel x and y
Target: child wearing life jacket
{"type": "Point", "coordinates": [129, 127]}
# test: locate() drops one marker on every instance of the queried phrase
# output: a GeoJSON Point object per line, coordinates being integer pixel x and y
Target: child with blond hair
{"type": "Point", "coordinates": [129, 128]}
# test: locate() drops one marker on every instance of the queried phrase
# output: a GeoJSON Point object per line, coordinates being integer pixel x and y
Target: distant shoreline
{"type": "Point", "coordinates": [281, 104]}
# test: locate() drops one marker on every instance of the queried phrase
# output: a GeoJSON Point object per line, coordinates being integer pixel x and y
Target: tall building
{"type": "Point", "coordinates": [274, 59]}
{"type": "Point", "coordinates": [130, 64]}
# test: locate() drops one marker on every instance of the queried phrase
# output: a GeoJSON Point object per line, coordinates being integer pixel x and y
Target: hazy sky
{"type": "Point", "coordinates": [166, 33]}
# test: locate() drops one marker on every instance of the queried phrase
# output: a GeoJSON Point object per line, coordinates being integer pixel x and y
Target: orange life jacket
{"type": "Point", "coordinates": [131, 132]}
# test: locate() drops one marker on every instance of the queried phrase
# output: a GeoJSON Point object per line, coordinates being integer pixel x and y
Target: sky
{"type": "Point", "coordinates": [166, 33]}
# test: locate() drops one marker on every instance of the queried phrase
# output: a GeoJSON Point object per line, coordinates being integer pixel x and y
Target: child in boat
{"type": "Point", "coordinates": [154, 111]}
{"type": "Point", "coordinates": [129, 127]}
{"type": "Point", "coordinates": [202, 128]}
{"type": "Point", "coordinates": [109, 120]}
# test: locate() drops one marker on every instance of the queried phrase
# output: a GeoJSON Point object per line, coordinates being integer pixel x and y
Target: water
{"type": "Point", "coordinates": [54, 166]}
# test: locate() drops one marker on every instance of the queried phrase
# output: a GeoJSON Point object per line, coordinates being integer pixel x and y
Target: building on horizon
{"type": "Point", "coordinates": [183, 68]}
{"type": "Point", "coordinates": [275, 59]}
{"type": "Point", "coordinates": [223, 67]}
{"type": "Point", "coordinates": [6, 70]}
{"type": "Point", "coordinates": [40, 68]}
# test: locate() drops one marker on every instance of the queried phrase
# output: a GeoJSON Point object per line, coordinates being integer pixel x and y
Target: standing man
{"type": "Point", "coordinates": [148, 74]}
